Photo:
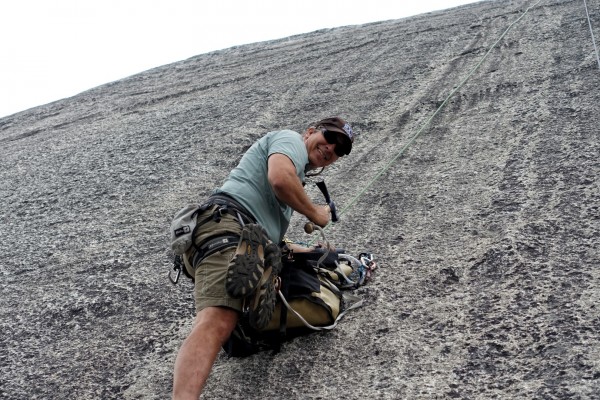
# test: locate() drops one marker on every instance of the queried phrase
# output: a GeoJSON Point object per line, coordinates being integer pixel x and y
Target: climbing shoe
{"type": "Point", "coordinates": [247, 265]}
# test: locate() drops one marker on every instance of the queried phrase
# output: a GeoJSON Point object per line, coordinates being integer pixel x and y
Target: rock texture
{"type": "Point", "coordinates": [486, 226]}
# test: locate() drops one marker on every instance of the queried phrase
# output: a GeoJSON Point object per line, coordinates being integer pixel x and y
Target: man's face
{"type": "Point", "coordinates": [320, 152]}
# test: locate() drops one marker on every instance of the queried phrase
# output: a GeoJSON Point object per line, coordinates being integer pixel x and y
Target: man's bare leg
{"type": "Point", "coordinates": [212, 327]}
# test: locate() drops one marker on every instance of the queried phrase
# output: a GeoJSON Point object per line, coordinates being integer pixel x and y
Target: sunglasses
{"type": "Point", "coordinates": [334, 138]}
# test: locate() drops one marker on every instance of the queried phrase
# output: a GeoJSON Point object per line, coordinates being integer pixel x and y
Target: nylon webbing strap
{"type": "Point", "coordinates": [213, 245]}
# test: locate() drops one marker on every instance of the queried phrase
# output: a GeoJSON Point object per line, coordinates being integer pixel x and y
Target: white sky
{"type": "Point", "coordinates": [52, 49]}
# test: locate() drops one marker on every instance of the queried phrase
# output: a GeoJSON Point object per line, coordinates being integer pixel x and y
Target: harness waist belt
{"type": "Point", "coordinates": [223, 199]}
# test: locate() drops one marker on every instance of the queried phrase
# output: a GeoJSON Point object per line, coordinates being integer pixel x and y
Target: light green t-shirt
{"type": "Point", "coordinates": [248, 184]}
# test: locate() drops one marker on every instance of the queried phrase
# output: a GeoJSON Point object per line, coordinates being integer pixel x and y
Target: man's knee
{"type": "Point", "coordinates": [219, 321]}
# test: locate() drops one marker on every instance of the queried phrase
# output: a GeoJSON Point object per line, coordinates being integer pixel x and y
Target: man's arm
{"type": "Point", "coordinates": [288, 188]}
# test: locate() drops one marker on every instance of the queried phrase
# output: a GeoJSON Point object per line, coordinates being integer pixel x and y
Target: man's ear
{"type": "Point", "coordinates": [309, 132]}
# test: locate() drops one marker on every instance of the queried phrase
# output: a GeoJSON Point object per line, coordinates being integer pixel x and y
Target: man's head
{"type": "Point", "coordinates": [337, 131]}
{"type": "Point", "coordinates": [327, 140]}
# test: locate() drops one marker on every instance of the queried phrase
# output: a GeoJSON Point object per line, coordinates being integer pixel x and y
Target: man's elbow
{"type": "Point", "coordinates": [278, 184]}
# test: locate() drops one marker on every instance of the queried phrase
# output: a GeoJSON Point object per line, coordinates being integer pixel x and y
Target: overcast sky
{"type": "Point", "coordinates": [52, 49]}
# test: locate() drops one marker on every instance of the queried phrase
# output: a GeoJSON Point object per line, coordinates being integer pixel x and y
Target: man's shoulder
{"type": "Point", "coordinates": [284, 133]}
{"type": "Point", "coordinates": [284, 138]}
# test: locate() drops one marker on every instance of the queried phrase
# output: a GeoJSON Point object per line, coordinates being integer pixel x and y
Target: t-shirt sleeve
{"type": "Point", "coordinates": [290, 143]}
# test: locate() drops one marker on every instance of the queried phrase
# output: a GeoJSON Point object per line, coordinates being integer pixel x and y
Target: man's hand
{"type": "Point", "coordinates": [323, 216]}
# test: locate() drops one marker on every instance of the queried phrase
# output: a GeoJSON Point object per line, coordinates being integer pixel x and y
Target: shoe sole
{"type": "Point", "coordinates": [263, 304]}
{"type": "Point", "coordinates": [247, 266]}
{"type": "Point", "coordinates": [273, 258]}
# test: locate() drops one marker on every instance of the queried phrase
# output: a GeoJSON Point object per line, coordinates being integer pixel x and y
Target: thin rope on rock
{"type": "Point", "coordinates": [415, 136]}
{"type": "Point", "coordinates": [592, 32]}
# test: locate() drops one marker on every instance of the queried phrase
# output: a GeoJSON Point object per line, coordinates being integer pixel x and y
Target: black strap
{"type": "Point", "coordinates": [231, 206]}
{"type": "Point", "coordinates": [312, 257]}
{"type": "Point", "coordinates": [285, 289]}
{"type": "Point", "coordinates": [212, 245]}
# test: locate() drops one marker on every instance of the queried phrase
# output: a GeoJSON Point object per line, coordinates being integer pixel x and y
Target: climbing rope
{"type": "Point", "coordinates": [416, 135]}
{"type": "Point", "coordinates": [592, 32]}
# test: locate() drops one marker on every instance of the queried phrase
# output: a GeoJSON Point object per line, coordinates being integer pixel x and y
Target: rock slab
{"type": "Point", "coordinates": [485, 224]}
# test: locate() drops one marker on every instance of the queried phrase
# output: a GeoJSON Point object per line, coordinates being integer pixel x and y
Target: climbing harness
{"type": "Point", "coordinates": [185, 225]}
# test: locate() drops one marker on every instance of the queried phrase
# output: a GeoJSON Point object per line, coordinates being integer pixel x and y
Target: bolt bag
{"type": "Point", "coordinates": [316, 292]}
{"type": "Point", "coordinates": [182, 228]}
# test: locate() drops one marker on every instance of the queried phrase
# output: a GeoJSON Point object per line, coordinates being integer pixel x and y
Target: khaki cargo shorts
{"type": "Point", "coordinates": [210, 274]}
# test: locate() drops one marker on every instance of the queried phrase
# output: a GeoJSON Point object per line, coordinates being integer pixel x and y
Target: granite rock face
{"type": "Point", "coordinates": [484, 218]}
